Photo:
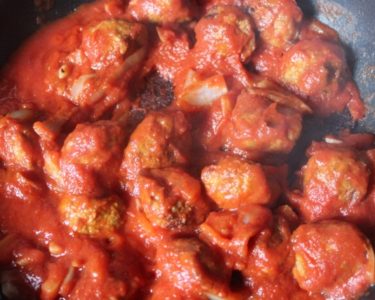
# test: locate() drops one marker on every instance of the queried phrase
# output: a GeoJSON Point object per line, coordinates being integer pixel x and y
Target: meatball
{"type": "Point", "coordinates": [162, 11]}
{"type": "Point", "coordinates": [109, 41]}
{"type": "Point", "coordinates": [96, 74]}
{"type": "Point", "coordinates": [22, 185]}
{"type": "Point", "coordinates": [232, 231]}
{"type": "Point", "coordinates": [225, 31]}
{"type": "Point", "coordinates": [161, 140]}
{"type": "Point", "coordinates": [191, 270]}
{"type": "Point", "coordinates": [84, 62]}
{"type": "Point", "coordinates": [90, 158]}
{"type": "Point", "coordinates": [312, 67]}
{"type": "Point", "coordinates": [234, 183]}
{"type": "Point", "coordinates": [171, 199]}
{"type": "Point", "coordinates": [91, 216]}
{"type": "Point", "coordinates": [269, 253]}
{"type": "Point", "coordinates": [317, 70]}
{"type": "Point", "coordinates": [259, 125]}
{"type": "Point", "coordinates": [270, 262]}
{"type": "Point", "coordinates": [19, 147]}
{"type": "Point", "coordinates": [334, 259]}
{"type": "Point", "coordinates": [277, 21]}
{"type": "Point", "coordinates": [334, 181]}
{"type": "Point", "coordinates": [94, 145]}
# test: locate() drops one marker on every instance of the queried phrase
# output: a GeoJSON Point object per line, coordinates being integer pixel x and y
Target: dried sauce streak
{"type": "Point", "coordinates": [141, 159]}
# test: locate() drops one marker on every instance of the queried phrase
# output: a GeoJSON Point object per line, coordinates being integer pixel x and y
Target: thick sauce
{"type": "Point", "coordinates": [143, 149]}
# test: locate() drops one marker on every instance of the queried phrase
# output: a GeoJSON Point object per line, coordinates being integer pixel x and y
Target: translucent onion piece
{"type": "Point", "coordinates": [204, 93]}
{"type": "Point", "coordinates": [266, 88]}
{"type": "Point", "coordinates": [79, 85]}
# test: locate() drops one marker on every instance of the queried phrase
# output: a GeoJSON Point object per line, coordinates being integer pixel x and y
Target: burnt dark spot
{"type": "Point", "coordinates": [157, 94]}
{"type": "Point", "coordinates": [332, 72]}
{"type": "Point", "coordinates": [237, 282]}
{"type": "Point", "coordinates": [136, 116]}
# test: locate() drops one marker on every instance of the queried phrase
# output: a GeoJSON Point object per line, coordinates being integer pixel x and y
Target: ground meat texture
{"type": "Point", "coordinates": [225, 31]}
{"type": "Point", "coordinates": [334, 259]}
{"type": "Point", "coordinates": [161, 140]}
{"type": "Point", "coordinates": [157, 94]}
{"type": "Point", "coordinates": [334, 182]}
{"type": "Point", "coordinates": [172, 199]}
{"type": "Point", "coordinates": [234, 183]}
{"type": "Point", "coordinates": [18, 145]}
{"type": "Point", "coordinates": [162, 11]}
{"type": "Point", "coordinates": [317, 70]}
{"type": "Point", "coordinates": [191, 270]}
{"type": "Point", "coordinates": [91, 216]}
{"type": "Point", "coordinates": [107, 42]}
{"type": "Point", "coordinates": [90, 159]}
{"type": "Point", "coordinates": [232, 231]}
{"type": "Point", "coordinates": [270, 261]}
{"type": "Point", "coordinates": [314, 66]}
{"type": "Point", "coordinates": [277, 21]}
{"type": "Point", "coordinates": [259, 125]}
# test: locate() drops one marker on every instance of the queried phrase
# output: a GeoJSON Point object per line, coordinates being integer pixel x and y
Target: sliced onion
{"type": "Point", "coordinates": [68, 282]}
{"type": "Point", "coordinates": [131, 61]}
{"type": "Point", "coordinates": [79, 85]}
{"type": "Point", "coordinates": [203, 93]}
{"type": "Point", "coordinates": [134, 59]}
{"type": "Point", "coordinates": [162, 34]}
{"type": "Point", "coordinates": [332, 140]}
{"type": "Point", "coordinates": [272, 91]}
{"type": "Point", "coordinates": [191, 78]}
{"type": "Point", "coordinates": [211, 296]}
{"type": "Point", "coordinates": [22, 114]}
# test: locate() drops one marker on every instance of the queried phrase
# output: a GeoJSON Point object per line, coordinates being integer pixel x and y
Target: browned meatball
{"type": "Point", "coordinates": [90, 157]}
{"type": "Point", "coordinates": [259, 125]}
{"type": "Point", "coordinates": [335, 181]}
{"type": "Point", "coordinates": [234, 183]}
{"type": "Point", "coordinates": [161, 140]}
{"type": "Point", "coordinates": [189, 269]}
{"type": "Point", "coordinates": [270, 262]}
{"type": "Point", "coordinates": [334, 259]}
{"type": "Point", "coordinates": [18, 145]}
{"type": "Point", "coordinates": [233, 231]}
{"type": "Point", "coordinates": [172, 199]}
{"type": "Point", "coordinates": [162, 11]}
{"type": "Point", "coordinates": [96, 217]}
{"type": "Point", "coordinates": [225, 31]}
{"type": "Point", "coordinates": [277, 20]}
{"type": "Point", "coordinates": [108, 42]}
{"type": "Point", "coordinates": [95, 74]}
{"type": "Point", "coordinates": [89, 160]}
{"type": "Point", "coordinates": [317, 70]}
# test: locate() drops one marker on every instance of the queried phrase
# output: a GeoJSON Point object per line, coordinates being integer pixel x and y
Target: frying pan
{"type": "Point", "coordinates": [353, 19]}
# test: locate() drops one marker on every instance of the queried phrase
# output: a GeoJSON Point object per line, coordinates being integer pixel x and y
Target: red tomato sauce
{"type": "Point", "coordinates": [143, 151]}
